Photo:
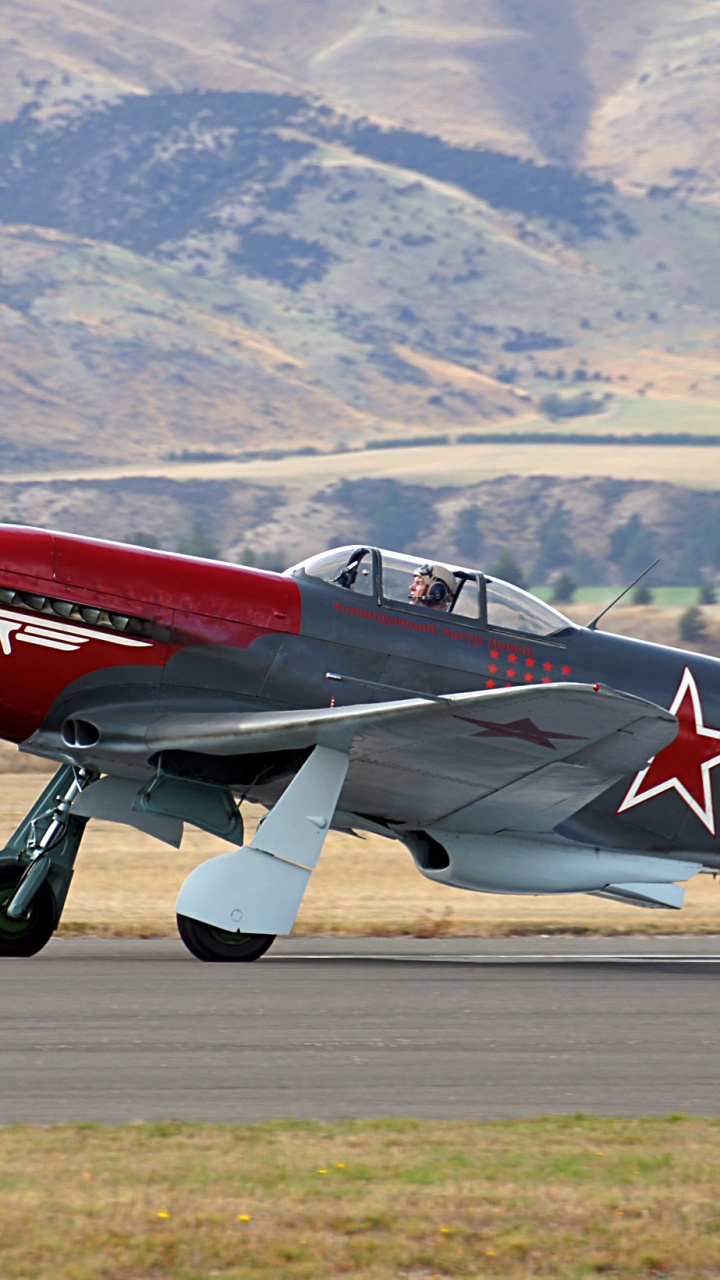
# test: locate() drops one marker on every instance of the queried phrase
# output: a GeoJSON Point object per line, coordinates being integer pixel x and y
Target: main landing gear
{"type": "Point", "coordinates": [28, 933]}
{"type": "Point", "coordinates": [233, 906]}
{"type": "Point", "coordinates": [208, 943]}
{"type": "Point", "coordinates": [36, 866]}
{"type": "Point", "coordinates": [230, 908]}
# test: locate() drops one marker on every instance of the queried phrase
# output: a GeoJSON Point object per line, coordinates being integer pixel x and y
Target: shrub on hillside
{"type": "Point", "coordinates": [564, 589]}
{"type": "Point", "coordinates": [558, 407]}
{"type": "Point", "coordinates": [509, 570]}
{"type": "Point", "coordinates": [692, 624]}
{"type": "Point", "coordinates": [199, 543]}
{"type": "Point", "coordinates": [642, 594]}
{"type": "Point", "coordinates": [632, 547]}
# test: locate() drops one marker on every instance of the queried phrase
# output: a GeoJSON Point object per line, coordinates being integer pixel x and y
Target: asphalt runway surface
{"type": "Point", "coordinates": [118, 1031]}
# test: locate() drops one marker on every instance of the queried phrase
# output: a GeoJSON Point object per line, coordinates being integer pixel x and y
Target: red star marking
{"type": "Point", "coordinates": [529, 677]}
{"type": "Point", "coordinates": [565, 671]}
{"type": "Point", "coordinates": [529, 662]}
{"type": "Point", "coordinates": [547, 666]}
{"type": "Point", "coordinates": [546, 680]}
{"type": "Point", "coordinates": [685, 765]}
{"type": "Point", "coordinates": [489, 684]}
{"type": "Point", "coordinates": [510, 672]}
{"type": "Point", "coordinates": [492, 668]}
{"type": "Point", "coordinates": [494, 653]}
{"type": "Point", "coordinates": [519, 731]}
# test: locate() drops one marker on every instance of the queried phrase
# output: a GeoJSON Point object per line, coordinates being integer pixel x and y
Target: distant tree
{"type": "Point", "coordinates": [632, 546]}
{"type": "Point", "coordinates": [199, 543]}
{"type": "Point", "coordinates": [557, 407]}
{"type": "Point", "coordinates": [705, 530]}
{"type": "Point", "coordinates": [467, 534]}
{"type": "Point", "coordinates": [693, 552]}
{"type": "Point", "coordinates": [509, 570]}
{"type": "Point", "coordinates": [554, 538]}
{"type": "Point", "coordinates": [707, 594]}
{"type": "Point", "coordinates": [387, 512]}
{"type": "Point", "coordinates": [642, 594]}
{"type": "Point", "coordinates": [142, 539]}
{"type": "Point", "coordinates": [275, 561]}
{"type": "Point", "coordinates": [692, 624]}
{"type": "Point", "coordinates": [564, 589]}
{"type": "Point", "coordinates": [586, 570]}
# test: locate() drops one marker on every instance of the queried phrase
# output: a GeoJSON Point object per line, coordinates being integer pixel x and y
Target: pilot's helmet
{"type": "Point", "coordinates": [441, 583]}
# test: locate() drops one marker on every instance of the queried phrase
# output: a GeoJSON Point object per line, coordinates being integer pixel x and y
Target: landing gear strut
{"type": "Point", "coordinates": [37, 865]}
{"type": "Point", "coordinates": [233, 906]}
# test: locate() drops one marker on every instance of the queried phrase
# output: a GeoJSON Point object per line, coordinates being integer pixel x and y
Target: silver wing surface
{"type": "Point", "coordinates": [499, 760]}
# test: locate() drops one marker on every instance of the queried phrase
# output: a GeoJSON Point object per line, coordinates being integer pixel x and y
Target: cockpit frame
{"type": "Point", "coordinates": [497, 604]}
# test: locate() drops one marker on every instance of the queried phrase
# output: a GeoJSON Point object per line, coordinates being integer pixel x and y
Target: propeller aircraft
{"type": "Point", "coordinates": [510, 749]}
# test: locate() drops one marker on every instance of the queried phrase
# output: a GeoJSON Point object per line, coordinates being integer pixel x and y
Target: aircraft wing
{"type": "Point", "coordinates": [508, 759]}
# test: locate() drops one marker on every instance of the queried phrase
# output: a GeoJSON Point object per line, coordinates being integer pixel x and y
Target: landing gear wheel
{"type": "Point", "coordinates": [28, 935]}
{"type": "Point", "coordinates": [208, 943]}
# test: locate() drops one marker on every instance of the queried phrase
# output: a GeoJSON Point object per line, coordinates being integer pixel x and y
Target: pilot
{"type": "Point", "coordinates": [434, 586]}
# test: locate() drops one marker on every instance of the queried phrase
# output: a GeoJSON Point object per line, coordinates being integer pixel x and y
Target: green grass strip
{"type": "Point", "coordinates": [561, 1197]}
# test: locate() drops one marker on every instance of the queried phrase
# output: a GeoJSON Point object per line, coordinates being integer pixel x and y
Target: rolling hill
{"type": "Point", "coordinates": [244, 227]}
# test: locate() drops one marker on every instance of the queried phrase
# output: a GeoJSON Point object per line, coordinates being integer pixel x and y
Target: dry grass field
{"type": "Point", "coordinates": [126, 883]}
{"type": "Point", "coordinates": [658, 623]}
{"type": "Point", "coordinates": [564, 1198]}
{"type": "Point", "coordinates": [695, 466]}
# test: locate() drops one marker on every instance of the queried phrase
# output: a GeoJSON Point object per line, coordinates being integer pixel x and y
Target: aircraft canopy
{"type": "Point", "coordinates": [386, 576]}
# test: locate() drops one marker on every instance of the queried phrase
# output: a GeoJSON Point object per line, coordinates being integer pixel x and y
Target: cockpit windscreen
{"type": "Point", "coordinates": [511, 609]}
{"type": "Point", "coordinates": [347, 567]}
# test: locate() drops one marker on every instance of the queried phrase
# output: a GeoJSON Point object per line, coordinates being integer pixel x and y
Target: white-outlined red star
{"type": "Point", "coordinates": [685, 765]}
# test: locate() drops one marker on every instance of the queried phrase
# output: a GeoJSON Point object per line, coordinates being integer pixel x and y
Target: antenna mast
{"type": "Point", "coordinates": [592, 626]}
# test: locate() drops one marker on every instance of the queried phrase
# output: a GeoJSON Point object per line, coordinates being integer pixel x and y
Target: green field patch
{"type": "Point", "coordinates": [564, 1197]}
{"type": "Point", "coordinates": [623, 418]}
{"type": "Point", "coordinates": [664, 597]}
{"type": "Point", "coordinates": [644, 414]}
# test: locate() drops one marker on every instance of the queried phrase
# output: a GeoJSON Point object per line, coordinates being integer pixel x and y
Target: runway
{"type": "Point", "coordinates": [329, 1029]}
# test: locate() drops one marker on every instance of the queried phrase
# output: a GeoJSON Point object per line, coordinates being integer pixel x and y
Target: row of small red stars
{"type": "Point", "coordinates": [512, 660]}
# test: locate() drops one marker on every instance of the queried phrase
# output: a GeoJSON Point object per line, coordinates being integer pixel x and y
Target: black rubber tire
{"type": "Point", "coordinates": [208, 943]}
{"type": "Point", "coordinates": [27, 936]}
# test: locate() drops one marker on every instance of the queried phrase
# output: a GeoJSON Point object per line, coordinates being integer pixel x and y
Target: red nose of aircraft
{"type": "Point", "coordinates": [70, 606]}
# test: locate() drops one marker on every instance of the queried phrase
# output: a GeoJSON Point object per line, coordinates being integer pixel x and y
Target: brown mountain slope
{"type": "Point", "coordinates": [105, 356]}
{"type": "Point", "coordinates": [629, 89]}
{"type": "Point", "coordinates": [240, 271]}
